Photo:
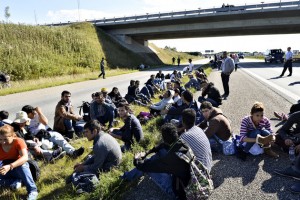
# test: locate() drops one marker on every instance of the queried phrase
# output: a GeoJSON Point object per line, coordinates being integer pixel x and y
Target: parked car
{"type": "Point", "coordinates": [274, 55]}
{"type": "Point", "coordinates": [241, 55]}
{"type": "Point", "coordinates": [226, 8]}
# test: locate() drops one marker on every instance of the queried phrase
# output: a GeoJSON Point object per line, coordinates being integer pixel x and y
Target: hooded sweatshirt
{"type": "Point", "coordinates": [217, 124]}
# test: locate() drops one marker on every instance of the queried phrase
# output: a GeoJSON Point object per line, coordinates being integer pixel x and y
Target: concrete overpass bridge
{"type": "Point", "coordinates": [273, 18]}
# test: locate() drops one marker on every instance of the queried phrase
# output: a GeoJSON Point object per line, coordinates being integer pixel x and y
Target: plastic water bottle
{"type": "Point", "coordinates": [292, 154]}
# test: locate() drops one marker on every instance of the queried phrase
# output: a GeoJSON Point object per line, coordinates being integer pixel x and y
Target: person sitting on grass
{"type": "Point", "coordinates": [216, 126]}
{"type": "Point", "coordinates": [288, 134]}
{"type": "Point", "coordinates": [14, 168]}
{"type": "Point", "coordinates": [132, 129]}
{"type": "Point", "coordinates": [193, 82]}
{"type": "Point", "coordinates": [4, 118]}
{"type": "Point", "coordinates": [38, 127]}
{"type": "Point", "coordinates": [213, 94]}
{"type": "Point", "coordinates": [144, 95]}
{"type": "Point", "coordinates": [177, 85]}
{"type": "Point", "coordinates": [115, 96]}
{"type": "Point", "coordinates": [166, 101]}
{"type": "Point", "coordinates": [106, 150]}
{"type": "Point", "coordinates": [102, 111]}
{"type": "Point", "coordinates": [174, 76]}
{"type": "Point", "coordinates": [151, 86]}
{"type": "Point", "coordinates": [165, 167]}
{"type": "Point", "coordinates": [22, 131]}
{"type": "Point", "coordinates": [65, 117]}
{"type": "Point", "coordinates": [256, 129]}
{"type": "Point", "coordinates": [176, 98]}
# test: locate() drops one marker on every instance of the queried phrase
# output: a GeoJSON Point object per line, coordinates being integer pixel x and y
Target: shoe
{"type": "Point", "coordinates": [17, 184]}
{"type": "Point", "coordinates": [69, 179]}
{"type": "Point", "coordinates": [284, 117]}
{"type": "Point", "coordinates": [277, 115]}
{"type": "Point", "coordinates": [288, 172]}
{"type": "Point", "coordinates": [281, 75]}
{"type": "Point", "coordinates": [269, 152]}
{"type": "Point", "coordinates": [57, 154]}
{"type": "Point", "coordinates": [32, 196]}
{"type": "Point", "coordinates": [241, 154]}
{"type": "Point", "coordinates": [289, 75]}
{"type": "Point", "coordinates": [265, 140]}
{"type": "Point", "coordinates": [77, 153]}
{"type": "Point", "coordinates": [295, 188]}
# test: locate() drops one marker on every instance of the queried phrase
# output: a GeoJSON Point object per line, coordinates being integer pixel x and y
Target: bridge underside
{"type": "Point", "coordinates": [220, 24]}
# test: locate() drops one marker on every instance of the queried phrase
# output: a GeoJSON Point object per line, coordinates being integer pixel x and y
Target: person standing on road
{"type": "Point", "coordinates": [191, 66]}
{"type": "Point", "coordinates": [173, 61]}
{"type": "Point", "coordinates": [102, 69]}
{"type": "Point", "coordinates": [227, 69]}
{"type": "Point", "coordinates": [178, 61]}
{"type": "Point", "coordinates": [288, 62]}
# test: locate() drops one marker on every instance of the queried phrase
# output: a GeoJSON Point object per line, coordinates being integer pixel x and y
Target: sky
{"type": "Point", "coordinates": [53, 11]}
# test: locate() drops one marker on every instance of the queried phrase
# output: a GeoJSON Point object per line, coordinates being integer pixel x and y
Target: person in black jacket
{"type": "Point", "coordinates": [166, 168]}
{"type": "Point", "coordinates": [213, 94]}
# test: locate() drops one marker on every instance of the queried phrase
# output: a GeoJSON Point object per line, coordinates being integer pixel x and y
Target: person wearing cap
{"type": "Point", "coordinates": [104, 91]}
{"type": "Point", "coordinates": [166, 101]}
{"type": "Point", "coordinates": [14, 168]}
{"type": "Point", "coordinates": [39, 125]}
{"type": "Point", "coordinates": [20, 125]}
{"type": "Point", "coordinates": [102, 111]}
{"type": "Point", "coordinates": [102, 69]}
{"type": "Point", "coordinates": [65, 117]}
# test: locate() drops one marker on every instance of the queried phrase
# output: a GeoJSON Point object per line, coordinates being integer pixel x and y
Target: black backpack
{"type": "Point", "coordinates": [85, 108]}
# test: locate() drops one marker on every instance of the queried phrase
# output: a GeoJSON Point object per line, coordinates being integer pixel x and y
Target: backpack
{"type": "Point", "coordinates": [144, 117]}
{"type": "Point", "coordinates": [34, 169]}
{"type": "Point", "coordinates": [85, 182]}
{"type": "Point", "coordinates": [200, 185]}
{"type": "Point", "coordinates": [85, 108]}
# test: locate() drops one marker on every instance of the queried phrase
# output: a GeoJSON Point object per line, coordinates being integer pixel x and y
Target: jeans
{"type": "Point", "coordinates": [127, 145]}
{"type": "Point", "coordinates": [59, 140]}
{"type": "Point", "coordinates": [22, 172]}
{"type": "Point", "coordinates": [145, 91]}
{"type": "Point", "coordinates": [162, 180]}
{"type": "Point", "coordinates": [225, 81]}
{"type": "Point", "coordinates": [71, 126]}
{"type": "Point", "coordinates": [150, 89]}
{"type": "Point", "coordinates": [108, 117]}
{"type": "Point", "coordinates": [213, 102]}
{"type": "Point", "coordinates": [253, 134]}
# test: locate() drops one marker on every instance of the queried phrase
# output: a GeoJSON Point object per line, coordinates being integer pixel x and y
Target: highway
{"type": "Point", "coordinates": [47, 98]}
{"type": "Point", "coordinates": [268, 73]}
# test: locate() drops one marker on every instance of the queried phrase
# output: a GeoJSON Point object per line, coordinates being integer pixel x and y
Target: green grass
{"type": "Point", "coordinates": [52, 181]}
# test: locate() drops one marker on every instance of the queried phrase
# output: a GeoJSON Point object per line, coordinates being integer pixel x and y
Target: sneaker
{"type": "Point", "coordinates": [288, 172]}
{"type": "Point", "coordinates": [17, 184]}
{"type": "Point", "coordinates": [32, 196]}
{"type": "Point", "coordinates": [241, 154]}
{"type": "Point", "coordinates": [289, 75]}
{"type": "Point", "coordinates": [77, 152]}
{"type": "Point", "coordinates": [57, 154]}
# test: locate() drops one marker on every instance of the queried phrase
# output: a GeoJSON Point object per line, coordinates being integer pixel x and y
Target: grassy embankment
{"type": "Point", "coordinates": [39, 57]}
{"type": "Point", "coordinates": [52, 182]}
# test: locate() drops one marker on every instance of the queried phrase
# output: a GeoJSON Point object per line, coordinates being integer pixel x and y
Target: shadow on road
{"type": "Point", "coordinates": [294, 83]}
{"type": "Point", "coordinates": [277, 77]}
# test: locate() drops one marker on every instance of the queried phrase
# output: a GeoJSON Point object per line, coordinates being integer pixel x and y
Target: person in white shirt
{"type": "Point", "coordinates": [288, 62]}
{"type": "Point", "coordinates": [227, 69]}
{"type": "Point", "coordinates": [191, 66]}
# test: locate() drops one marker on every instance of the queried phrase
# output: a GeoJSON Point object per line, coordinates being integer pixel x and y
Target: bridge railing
{"type": "Point", "coordinates": [179, 14]}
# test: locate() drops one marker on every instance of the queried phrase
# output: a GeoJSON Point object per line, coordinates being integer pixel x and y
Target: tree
{"type": "Point", "coordinates": [6, 13]}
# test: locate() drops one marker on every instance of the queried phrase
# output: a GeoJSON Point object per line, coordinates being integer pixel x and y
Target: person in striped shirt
{"type": "Point", "coordinates": [256, 128]}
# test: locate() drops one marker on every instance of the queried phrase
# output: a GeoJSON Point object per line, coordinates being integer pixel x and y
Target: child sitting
{"type": "Point", "coordinates": [256, 128]}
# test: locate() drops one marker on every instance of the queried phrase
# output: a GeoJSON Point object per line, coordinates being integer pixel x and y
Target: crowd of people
{"type": "Point", "coordinates": [192, 124]}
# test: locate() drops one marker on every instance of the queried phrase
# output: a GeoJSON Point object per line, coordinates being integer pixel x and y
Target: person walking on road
{"type": "Point", "coordinates": [173, 61]}
{"type": "Point", "coordinates": [288, 62]}
{"type": "Point", "coordinates": [102, 69]}
{"type": "Point", "coordinates": [227, 69]}
{"type": "Point", "coordinates": [178, 61]}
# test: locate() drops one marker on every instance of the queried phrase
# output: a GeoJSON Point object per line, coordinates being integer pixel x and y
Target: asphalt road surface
{"type": "Point", "coordinates": [47, 98]}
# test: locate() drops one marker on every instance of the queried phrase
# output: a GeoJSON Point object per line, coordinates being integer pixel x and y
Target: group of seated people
{"type": "Point", "coordinates": [188, 124]}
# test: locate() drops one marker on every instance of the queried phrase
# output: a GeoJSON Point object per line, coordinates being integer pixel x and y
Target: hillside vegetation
{"type": "Point", "coordinates": [32, 52]}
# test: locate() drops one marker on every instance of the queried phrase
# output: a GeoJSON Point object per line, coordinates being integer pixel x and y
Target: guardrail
{"type": "Point", "coordinates": [170, 15]}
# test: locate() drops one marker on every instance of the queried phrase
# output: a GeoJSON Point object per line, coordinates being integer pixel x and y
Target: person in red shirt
{"type": "Point", "coordinates": [13, 162]}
